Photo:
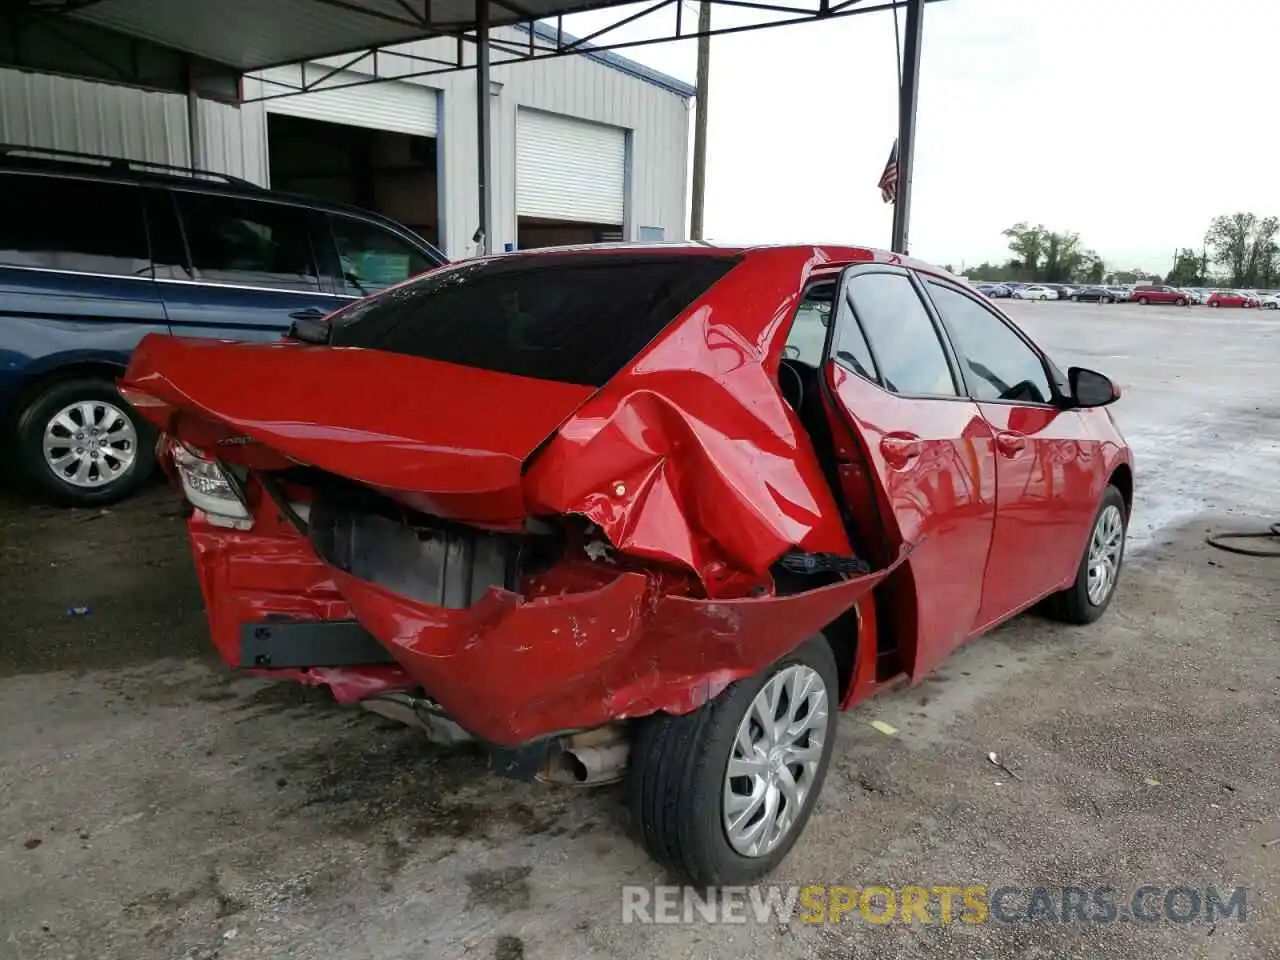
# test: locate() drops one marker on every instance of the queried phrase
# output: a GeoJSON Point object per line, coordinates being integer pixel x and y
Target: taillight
{"type": "Point", "coordinates": [206, 485]}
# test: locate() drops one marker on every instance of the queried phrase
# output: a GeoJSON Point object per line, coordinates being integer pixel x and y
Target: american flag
{"type": "Point", "coordinates": [889, 179]}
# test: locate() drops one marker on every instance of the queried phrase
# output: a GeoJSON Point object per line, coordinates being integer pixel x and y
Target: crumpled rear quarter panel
{"type": "Point", "coordinates": [691, 456]}
{"type": "Point", "coordinates": [510, 669]}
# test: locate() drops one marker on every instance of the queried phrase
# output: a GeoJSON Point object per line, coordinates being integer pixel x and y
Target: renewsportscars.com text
{"type": "Point", "coordinates": [935, 904]}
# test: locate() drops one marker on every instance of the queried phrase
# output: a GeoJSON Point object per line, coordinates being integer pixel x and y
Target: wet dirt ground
{"type": "Point", "coordinates": [154, 806]}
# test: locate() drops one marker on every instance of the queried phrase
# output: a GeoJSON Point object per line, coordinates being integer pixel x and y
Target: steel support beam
{"type": "Point", "coordinates": [484, 165]}
{"type": "Point", "coordinates": [908, 96]}
{"type": "Point", "coordinates": [700, 121]}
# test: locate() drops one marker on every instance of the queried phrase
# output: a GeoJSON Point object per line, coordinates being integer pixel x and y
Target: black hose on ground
{"type": "Point", "coordinates": [1272, 534]}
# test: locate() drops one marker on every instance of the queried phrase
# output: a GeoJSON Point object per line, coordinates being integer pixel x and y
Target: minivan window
{"type": "Point", "coordinates": [248, 242]}
{"type": "Point", "coordinates": [63, 223]}
{"type": "Point", "coordinates": [373, 257]}
{"type": "Point", "coordinates": [576, 318]}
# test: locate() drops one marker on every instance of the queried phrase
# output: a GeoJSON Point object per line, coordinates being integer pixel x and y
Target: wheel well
{"type": "Point", "coordinates": [1122, 480]}
{"type": "Point", "coordinates": [100, 369]}
{"type": "Point", "coordinates": [841, 634]}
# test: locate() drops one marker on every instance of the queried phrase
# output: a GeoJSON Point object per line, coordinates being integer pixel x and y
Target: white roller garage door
{"type": "Point", "coordinates": [569, 169]}
{"type": "Point", "coordinates": [392, 105]}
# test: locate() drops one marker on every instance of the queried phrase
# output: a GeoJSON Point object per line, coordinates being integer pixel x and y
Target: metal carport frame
{"type": "Point", "coordinates": [250, 35]}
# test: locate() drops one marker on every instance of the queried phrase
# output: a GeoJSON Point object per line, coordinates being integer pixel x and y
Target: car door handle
{"type": "Point", "coordinates": [899, 449]}
{"type": "Point", "coordinates": [1010, 444]}
{"type": "Point", "coordinates": [310, 313]}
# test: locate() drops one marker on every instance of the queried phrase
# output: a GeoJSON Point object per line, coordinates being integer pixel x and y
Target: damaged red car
{"type": "Point", "coordinates": [653, 512]}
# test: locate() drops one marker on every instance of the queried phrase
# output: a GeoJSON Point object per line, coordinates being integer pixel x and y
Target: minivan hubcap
{"type": "Point", "coordinates": [89, 444]}
{"type": "Point", "coordinates": [1105, 549]}
{"type": "Point", "coordinates": [774, 761]}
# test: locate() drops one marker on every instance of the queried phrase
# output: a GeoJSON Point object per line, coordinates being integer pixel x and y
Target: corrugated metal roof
{"type": "Point", "coordinates": [252, 34]}
{"type": "Point", "coordinates": [638, 70]}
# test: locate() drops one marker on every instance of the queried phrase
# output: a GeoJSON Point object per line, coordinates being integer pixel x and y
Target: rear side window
{"type": "Point", "coordinates": [576, 319]}
{"type": "Point", "coordinates": [61, 223]}
{"type": "Point", "coordinates": [372, 257]}
{"type": "Point", "coordinates": [907, 349]}
{"type": "Point", "coordinates": [247, 242]}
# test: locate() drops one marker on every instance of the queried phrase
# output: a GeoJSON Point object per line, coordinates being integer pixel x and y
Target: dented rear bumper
{"type": "Point", "coordinates": [564, 652]}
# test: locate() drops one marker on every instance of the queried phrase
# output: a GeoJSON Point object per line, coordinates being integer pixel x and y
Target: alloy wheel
{"type": "Point", "coordinates": [1106, 547]}
{"type": "Point", "coordinates": [90, 444]}
{"type": "Point", "coordinates": [775, 759]}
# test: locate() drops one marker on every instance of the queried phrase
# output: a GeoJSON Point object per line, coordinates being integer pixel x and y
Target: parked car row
{"type": "Point", "coordinates": [151, 249]}
{"type": "Point", "coordinates": [1138, 293]}
{"type": "Point", "coordinates": [1053, 291]}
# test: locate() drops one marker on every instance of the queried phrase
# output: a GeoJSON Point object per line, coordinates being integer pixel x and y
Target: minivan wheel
{"type": "Point", "coordinates": [79, 444]}
{"type": "Point", "coordinates": [721, 794]}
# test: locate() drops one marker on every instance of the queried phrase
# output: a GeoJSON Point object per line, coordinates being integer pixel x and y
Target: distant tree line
{"type": "Point", "coordinates": [1242, 246]}
{"type": "Point", "coordinates": [1042, 255]}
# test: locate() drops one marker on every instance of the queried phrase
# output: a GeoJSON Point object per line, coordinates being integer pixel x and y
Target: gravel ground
{"type": "Point", "coordinates": [154, 806]}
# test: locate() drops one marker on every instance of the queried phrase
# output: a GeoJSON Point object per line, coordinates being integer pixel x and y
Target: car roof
{"type": "Point", "coordinates": [108, 169]}
{"type": "Point", "coordinates": [833, 254]}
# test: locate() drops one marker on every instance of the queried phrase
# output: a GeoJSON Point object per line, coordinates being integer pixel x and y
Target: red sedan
{"type": "Point", "coordinates": [1159, 293]}
{"type": "Point", "coordinates": [1230, 298]}
{"type": "Point", "coordinates": [624, 509]}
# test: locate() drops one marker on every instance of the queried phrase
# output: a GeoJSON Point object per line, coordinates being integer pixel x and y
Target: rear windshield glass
{"type": "Point", "coordinates": [576, 318]}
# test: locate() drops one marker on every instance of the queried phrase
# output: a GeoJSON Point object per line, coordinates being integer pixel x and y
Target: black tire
{"type": "Point", "coordinates": [1214, 304]}
{"type": "Point", "coordinates": [677, 772]}
{"type": "Point", "coordinates": [39, 476]}
{"type": "Point", "coordinates": [1075, 297]}
{"type": "Point", "coordinates": [1073, 604]}
{"type": "Point", "coordinates": [1181, 302]}
{"type": "Point", "coordinates": [1143, 301]}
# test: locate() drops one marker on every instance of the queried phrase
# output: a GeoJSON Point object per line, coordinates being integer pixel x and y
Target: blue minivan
{"type": "Point", "coordinates": [97, 252]}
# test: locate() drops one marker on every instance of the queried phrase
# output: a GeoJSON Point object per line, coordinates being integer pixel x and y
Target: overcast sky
{"type": "Point", "coordinates": [1132, 122]}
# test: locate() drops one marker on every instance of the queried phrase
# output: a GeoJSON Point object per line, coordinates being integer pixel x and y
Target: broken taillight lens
{"type": "Point", "coordinates": [206, 485]}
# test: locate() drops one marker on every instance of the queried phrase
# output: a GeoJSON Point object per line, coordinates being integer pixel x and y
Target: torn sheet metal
{"type": "Point", "coordinates": [510, 669]}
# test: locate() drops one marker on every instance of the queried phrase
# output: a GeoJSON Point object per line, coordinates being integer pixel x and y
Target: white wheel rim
{"type": "Point", "coordinates": [774, 760]}
{"type": "Point", "coordinates": [1106, 547]}
{"type": "Point", "coordinates": [90, 444]}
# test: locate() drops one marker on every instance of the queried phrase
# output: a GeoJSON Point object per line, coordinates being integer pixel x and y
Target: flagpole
{"type": "Point", "coordinates": [908, 97]}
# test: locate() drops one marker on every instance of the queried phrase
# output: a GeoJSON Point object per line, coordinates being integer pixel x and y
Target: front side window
{"type": "Point", "coordinates": [998, 363]}
{"type": "Point", "coordinates": [372, 257]}
{"type": "Point", "coordinates": [574, 318]}
{"type": "Point", "coordinates": [236, 240]}
{"type": "Point", "coordinates": [62, 223]}
{"type": "Point", "coordinates": [902, 335]}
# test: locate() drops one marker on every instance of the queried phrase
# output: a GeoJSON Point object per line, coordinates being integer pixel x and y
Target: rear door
{"type": "Point", "coordinates": [75, 274]}
{"type": "Point", "coordinates": [1047, 470]}
{"type": "Point", "coordinates": [929, 450]}
{"type": "Point", "coordinates": [237, 267]}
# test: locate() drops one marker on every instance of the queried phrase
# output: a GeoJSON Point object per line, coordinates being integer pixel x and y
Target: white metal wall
{"type": "Point", "coordinates": [656, 118]}
{"type": "Point", "coordinates": [658, 147]}
{"type": "Point", "coordinates": [400, 107]}
{"type": "Point", "coordinates": [96, 117]}
{"type": "Point", "coordinates": [58, 113]}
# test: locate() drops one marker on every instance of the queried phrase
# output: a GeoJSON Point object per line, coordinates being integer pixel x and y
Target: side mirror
{"type": "Point", "coordinates": [1090, 388]}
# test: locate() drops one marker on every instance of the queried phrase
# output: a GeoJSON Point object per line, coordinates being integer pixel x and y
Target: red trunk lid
{"type": "Point", "coordinates": [446, 438]}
